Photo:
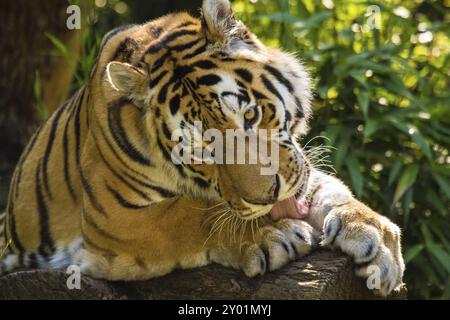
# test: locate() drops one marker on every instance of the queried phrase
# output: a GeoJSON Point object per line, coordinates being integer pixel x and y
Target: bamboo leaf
{"type": "Point", "coordinates": [355, 175]}
{"type": "Point", "coordinates": [439, 254]}
{"type": "Point", "coordinates": [412, 252]}
{"type": "Point", "coordinates": [407, 179]}
{"type": "Point", "coordinates": [363, 100]}
{"type": "Point", "coordinates": [443, 184]}
{"type": "Point", "coordinates": [395, 170]}
{"type": "Point", "coordinates": [61, 47]}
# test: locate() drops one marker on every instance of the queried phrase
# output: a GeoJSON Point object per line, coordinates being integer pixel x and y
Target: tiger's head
{"type": "Point", "coordinates": [214, 71]}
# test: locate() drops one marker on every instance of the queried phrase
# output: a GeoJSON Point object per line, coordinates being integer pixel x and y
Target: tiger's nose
{"type": "Point", "coordinates": [271, 197]}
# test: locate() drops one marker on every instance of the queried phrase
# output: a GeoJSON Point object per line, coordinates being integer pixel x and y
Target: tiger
{"type": "Point", "coordinates": [97, 186]}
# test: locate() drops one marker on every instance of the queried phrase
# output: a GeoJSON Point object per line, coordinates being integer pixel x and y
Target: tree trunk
{"type": "Point", "coordinates": [26, 51]}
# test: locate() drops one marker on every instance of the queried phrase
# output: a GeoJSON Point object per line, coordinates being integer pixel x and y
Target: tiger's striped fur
{"type": "Point", "coordinates": [105, 152]}
{"type": "Point", "coordinates": [96, 185]}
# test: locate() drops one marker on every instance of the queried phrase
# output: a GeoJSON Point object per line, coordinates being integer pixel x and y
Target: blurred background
{"type": "Point", "coordinates": [382, 96]}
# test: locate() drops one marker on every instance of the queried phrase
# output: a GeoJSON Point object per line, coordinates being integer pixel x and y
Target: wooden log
{"type": "Point", "coordinates": [321, 275]}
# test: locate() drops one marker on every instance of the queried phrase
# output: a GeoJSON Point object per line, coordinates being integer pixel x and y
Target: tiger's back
{"type": "Point", "coordinates": [42, 222]}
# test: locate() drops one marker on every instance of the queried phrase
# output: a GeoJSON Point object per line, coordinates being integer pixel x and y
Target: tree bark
{"type": "Point", "coordinates": [321, 275]}
{"type": "Point", "coordinates": [26, 49]}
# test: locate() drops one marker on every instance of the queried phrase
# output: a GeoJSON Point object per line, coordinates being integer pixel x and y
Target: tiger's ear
{"type": "Point", "coordinates": [218, 20]}
{"type": "Point", "coordinates": [128, 80]}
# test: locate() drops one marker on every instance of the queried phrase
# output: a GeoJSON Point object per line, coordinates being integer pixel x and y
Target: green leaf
{"type": "Point", "coordinates": [439, 254]}
{"type": "Point", "coordinates": [412, 252]}
{"type": "Point", "coordinates": [407, 200]}
{"type": "Point", "coordinates": [443, 184]}
{"type": "Point", "coordinates": [426, 233]}
{"type": "Point", "coordinates": [370, 128]}
{"type": "Point", "coordinates": [363, 100]}
{"type": "Point", "coordinates": [420, 140]}
{"type": "Point", "coordinates": [407, 179]}
{"type": "Point", "coordinates": [37, 85]}
{"type": "Point", "coordinates": [395, 170]}
{"type": "Point", "coordinates": [332, 134]}
{"type": "Point", "coordinates": [395, 85]}
{"type": "Point", "coordinates": [342, 150]}
{"type": "Point", "coordinates": [357, 179]}
{"type": "Point", "coordinates": [436, 202]}
{"type": "Point", "coordinates": [61, 47]}
{"type": "Point", "coordinates": [302, 11]}
{"type": "Point", "coordinates": [315, 21]}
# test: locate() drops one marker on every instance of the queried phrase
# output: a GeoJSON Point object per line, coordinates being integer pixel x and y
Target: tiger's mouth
{"type": "Point", "coordinates": [294, 207]}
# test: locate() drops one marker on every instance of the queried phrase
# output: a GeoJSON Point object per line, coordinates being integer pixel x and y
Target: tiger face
{"type": "Point", "coordinates": [217, 73]}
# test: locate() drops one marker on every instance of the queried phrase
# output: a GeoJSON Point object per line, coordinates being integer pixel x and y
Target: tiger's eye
{"type": "Point", "coordinates": [250, 114]}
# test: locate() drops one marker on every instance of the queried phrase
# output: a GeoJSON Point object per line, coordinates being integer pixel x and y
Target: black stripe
{"type": "Point", "coordinates": [32, 261]}
{"type": "Point", "coordinates": [22, 160]}
{"type": "Point", "coordinates": [117, 174]}
{"type": "Point", "coordinates": [299, 113]}
{"type": "Point", "coordinates": [67, 178]}
{"type": "Point", "coordinates": [156, 31]}
{"type": "Point", "coordinates": [119, 134]}
{"type": "Point", "coordinates": [46, 246]}
{"type": "Point", "coordinates": [169, 158]}
{"type": "Point", "coordinates": [77, 128]}
{"type": "Point", "coordinates": [205, 64]}
{"type": "Point", "coordinates": [159, 62]}
{"type": "Point", "coordinates": [277, 74]}
{"type": "Point", "coordinates": [201, 183]}
{"type": "Point", "coordinates": [125, 50]}
{"type": "Point", "coordinates": [88, 189]}
{"type": "Point", "coordinates": [166, 131]}
{"type": "Point", "coordinates": [162, 192]}
{"type": "Point", "coordinates": [244, 74]}
{"type": "Point", "coordinates": [288, 116]}
{"type": "Point", "coordinates": [113, 32]}
{"type": "Point", "coordinates": [156, 80]}
{"type": "Point", "coordinates": [117, 156]}
{"type": "Point", "coordinates": [11, 226]}
{"type": "Point", "coordinates": [164, 41]}
{"type": "Point", "coordinates": [162, 95]}
{"type": "Point", "coordinates": [182, 71]}
{"type": "Point", "coordinates": [209, 80]}
{"type": "Point", "coordinates": [174, 104]}
{"type": "Point", "coordinates": [48, 149]}
{"type": "Point", "coordinates": [274, 111]}
{"type": "Point", "coordinates": [258, 95]}
{"type": "Point", "coordinates": [103, 251]}
{"type": "Point", "coordinates": [89, 221]}
{"type": "Point", "coordinates": [185, 24]}
{"type": "Point", "coordinates": [124, 203]}
{"type": "Point", "coordinates": [271, 88]}
{"type": "Point", "coordinates": [276, 192]}
{"type": "Point", "coordinates": [196, 52]}
{"type": "Point", "coordinates": [185, 46]}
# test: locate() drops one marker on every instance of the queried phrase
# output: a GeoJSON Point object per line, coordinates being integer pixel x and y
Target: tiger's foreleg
{"type": "Point", "coordinates": [371, 239]}
{"type": "Point", "coordinates": [177, 233]}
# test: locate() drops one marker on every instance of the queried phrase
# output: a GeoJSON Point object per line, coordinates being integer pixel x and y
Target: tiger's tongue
{"type": "Point", "coordinates": [290, 208]}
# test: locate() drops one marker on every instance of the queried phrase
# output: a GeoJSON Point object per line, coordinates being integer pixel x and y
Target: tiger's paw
{"type": "Point", "coordinates": [373, 242]}
{"type": "Point", "coordinates": [276, 245]}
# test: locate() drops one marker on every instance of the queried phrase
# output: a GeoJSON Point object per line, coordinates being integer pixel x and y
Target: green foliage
{"type": "Point", "coordinates": [382, 100]}
{"type": "Point", "coordinates": [40, 105]}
